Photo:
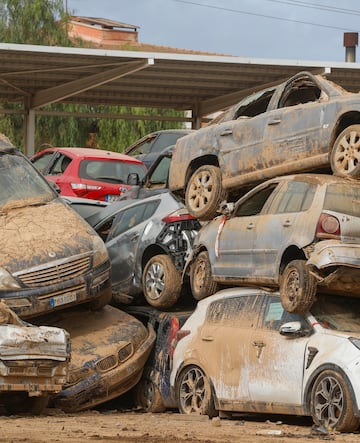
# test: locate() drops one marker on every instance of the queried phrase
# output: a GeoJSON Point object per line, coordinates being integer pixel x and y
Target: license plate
{"type": "Point", "coordinates": [62, 299]}
{"type": "Point", "coordinates": [112, 198]}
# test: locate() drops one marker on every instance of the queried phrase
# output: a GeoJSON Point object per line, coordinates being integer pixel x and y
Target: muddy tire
{"type": "Point", "coordinates": [194, 394]}
{"type": "Point", "coordinates": [297, 287]}
{"type": "Point", "coordinates": [331, 403]}
{"type": "Point", "coordinates": [201, 281]}
{"type": "Point", "coordinates": [148, 397]}
{"type": "Point", "coordinates": [204, 192]}
{"type": "Point", "coordinates": [100, 302]}
{"type": "Point", "coordinates": [345, 154]}
{"type": "Point", "coordinates": [20, 403]}
{"type": "Point", "coordinates": [161, 282]}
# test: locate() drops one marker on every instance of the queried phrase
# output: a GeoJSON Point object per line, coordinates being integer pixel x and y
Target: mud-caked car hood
{"type": "Point", "coordinates": [34, 235]}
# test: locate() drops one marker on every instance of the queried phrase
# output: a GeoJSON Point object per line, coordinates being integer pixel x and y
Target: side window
{"type": "Point", "coordinates": [131, 217]}
{"type": "Point", "coordinates": [161, 172]}
{"type": "Point", "coordinates": [42, 162]}
{"type": "Point", "coordinates": [236, 311]}
{"type": "Point", "coordinates": [255, 104]}
{"type": "Point", "coordinates": [255, 203]}
{"type": "Point", "coordinates": [293, 197]}
{"type": "Point", "coordinates": [60, 164]}
{"type": "Point", "coordinates": [142, 148]}
{"type": "Point", "coordinates": [302, 90]}
{"type": "Point", "coordinates": [275, 315]}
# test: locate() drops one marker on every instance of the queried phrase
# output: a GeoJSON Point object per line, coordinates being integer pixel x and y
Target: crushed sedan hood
{"type": "Point", "coordinates": [33, 235]}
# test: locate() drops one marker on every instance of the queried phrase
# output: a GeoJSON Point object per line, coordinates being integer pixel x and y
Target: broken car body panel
{"type": "Point", "coordinates": [109, 351]}
{"type": "Point", "coordinates": [33, 359]}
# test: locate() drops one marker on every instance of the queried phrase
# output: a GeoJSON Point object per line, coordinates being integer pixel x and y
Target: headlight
{"type": "Point", "coordinates": [7, 281]}
{"type": "Point", "coordinates": [100, 252]}
{"type": "Point", "coordinates": [355, 341]}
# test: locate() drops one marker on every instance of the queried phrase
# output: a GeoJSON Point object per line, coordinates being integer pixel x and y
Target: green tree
{"type": "Point", "coordinates": [44, 22]}
{"type": "Point", "coordinates": [36, 22]}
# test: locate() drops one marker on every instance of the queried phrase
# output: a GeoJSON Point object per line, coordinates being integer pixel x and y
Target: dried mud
{"type": "Point", "coordinates": [133, 427]}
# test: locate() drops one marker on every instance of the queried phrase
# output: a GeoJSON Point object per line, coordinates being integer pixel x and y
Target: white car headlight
{"type": "Point", "coordinates": [7, 281]}
{"type": "Point", "coordinates": [100, 252]}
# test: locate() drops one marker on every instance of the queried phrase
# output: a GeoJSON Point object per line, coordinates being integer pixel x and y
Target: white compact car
{"type": "Point", "coordinates": [240, 351]}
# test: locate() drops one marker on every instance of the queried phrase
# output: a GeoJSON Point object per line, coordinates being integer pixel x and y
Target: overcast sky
{"type": "Point", "coordinates": [272, 29]}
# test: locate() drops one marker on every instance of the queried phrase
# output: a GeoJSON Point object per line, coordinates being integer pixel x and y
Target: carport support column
{"type": "Point", "coordinates": [29, 132]}
{"type": "Point", "coordinates": [196, 116]}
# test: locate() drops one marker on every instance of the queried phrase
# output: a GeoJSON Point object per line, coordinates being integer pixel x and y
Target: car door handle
{"type": "Point", "coordinates": [226, 132]}
{"type": "Point", "coordinates": [259, 344]}
{"type": "Point", "coordinates": [134, 237]}
{"type": "Point", "coordinates": [250, 226]}
{"type": "Point", "coordinates": [287, 223]}
{"type": "Point", "coordinates": [274, 122]}
{"type": "Point", "coordinates": [207, 338]}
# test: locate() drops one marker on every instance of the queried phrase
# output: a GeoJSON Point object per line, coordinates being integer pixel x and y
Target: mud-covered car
{"type": "Point", "coordinates": [300, 233]}
{"type": "Point", "coordinates": [108, 351]}
{"type": "Point", "coordinates": [240, 351]}
{"type": "Point", "coordinates": [50, 258]}
{"type": "Point", "coordinates": [305, 124]}
{"type": "Point", "coordinates": [148, 241]}
{"type": "Point", "coordinates": [153, 393]}
{"type": "Point", "coordinates": [34, 363]}
{"type": "Point", "coordinates": [151, 145]}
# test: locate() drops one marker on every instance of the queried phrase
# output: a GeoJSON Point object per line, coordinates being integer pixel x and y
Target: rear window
{"type": "Point", "coordinates": [343, 198]}
{"type": "Point", "coordinates": [109, 171]}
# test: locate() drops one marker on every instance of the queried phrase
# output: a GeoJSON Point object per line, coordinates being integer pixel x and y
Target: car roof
{"type": "Point", "coordinates": [116, 206]}
{"type": "Point", "coordinates": [315, 178]}
{"type": "Point", "coordinates": [78, 152]}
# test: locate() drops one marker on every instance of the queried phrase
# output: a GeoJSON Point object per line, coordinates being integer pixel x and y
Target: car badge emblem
{"type": "Point", "coordinates": [52, 254]}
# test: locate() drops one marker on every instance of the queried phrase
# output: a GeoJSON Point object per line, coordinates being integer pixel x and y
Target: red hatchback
{"type": "Point", "coordinates": [87, 172]}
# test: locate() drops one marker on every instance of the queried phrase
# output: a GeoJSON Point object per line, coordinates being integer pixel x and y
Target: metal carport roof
{"type": "Point", "coordinates": [39, 75]}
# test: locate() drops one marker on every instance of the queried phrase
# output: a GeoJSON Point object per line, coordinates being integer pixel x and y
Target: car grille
{"type": "Point", "coordinates": [56, 272]}
{"type": "Point", "coordinates": [111, 361]}
{"type": "Point", "coordinates": [106, 363]}
{"type": "Point", "coordinates": [125, 352]}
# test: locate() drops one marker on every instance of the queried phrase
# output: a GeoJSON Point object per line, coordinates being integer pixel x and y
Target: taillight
{"type": "Point", "coordinates": [173, 217]}
{"type": "Point", "coordinates": [81, 189]}
{"type": "Point", "coordinates": [328, 226]}
{"type": "Point", "coordinates": [174, 328]}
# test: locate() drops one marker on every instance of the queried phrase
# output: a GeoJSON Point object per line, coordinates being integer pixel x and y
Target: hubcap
{"type": "Point", "coordinates": [155, 281]}
{"type": "Point", "coordinates": [347, 155]}
{"type": "Point", "coordinates": [193, 392]}
{"type": "Point", "coordinates": [200, 190]}
{"type": "Point", "coordinates": [328, 402]}
{"type": "Point", "coordinates": [293, 286]}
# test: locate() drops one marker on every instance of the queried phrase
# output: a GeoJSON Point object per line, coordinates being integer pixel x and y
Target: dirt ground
{"type": "Point", "coordinates": [112, 425]}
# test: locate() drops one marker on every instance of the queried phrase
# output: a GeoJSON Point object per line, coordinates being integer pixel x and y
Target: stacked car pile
{"type": "Point", "coordinates": [52, 263]}
{"type": "Point", "coordinates": [256, 350]}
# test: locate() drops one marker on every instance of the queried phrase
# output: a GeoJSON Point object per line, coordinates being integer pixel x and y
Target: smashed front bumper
{"type": "Point", "coordinates": [336, 265]}
{"type": "Point", "coordinates": [101, 387]}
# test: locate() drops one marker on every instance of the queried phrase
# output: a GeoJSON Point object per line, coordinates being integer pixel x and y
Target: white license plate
{"type": "Point", "coordinates": [62, 299]}
{"type": "Point", "coordinates": [112, 198]}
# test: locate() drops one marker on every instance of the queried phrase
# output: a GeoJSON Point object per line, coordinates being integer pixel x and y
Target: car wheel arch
{"type": "Point", "coordinates": [200, 161]}
{"type": "Point", "coordinates": [291, 253]}
{"type": "Point", "coordinates": [150, 252]}
{"type": "Point", "coordinates": [343, 121]}
{"type": "Point", "coordinates": [313, 377]}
